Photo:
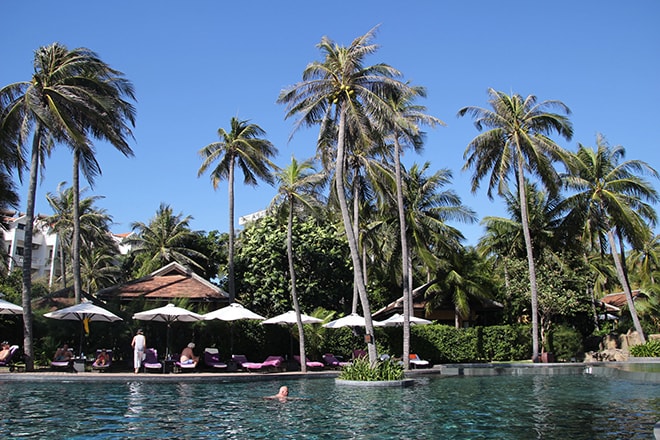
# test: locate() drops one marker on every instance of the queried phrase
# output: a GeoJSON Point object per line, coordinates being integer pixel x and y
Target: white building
{"type": "Point", "coordinates": [44, 245]}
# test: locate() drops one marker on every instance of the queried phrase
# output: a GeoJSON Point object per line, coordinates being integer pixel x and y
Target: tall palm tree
{"type": "Point", "coordinates": [297, 190]}
{"type": "Point", "coordinates": [340, 91]}
{"type": "Point", "coordinates": [405, 132]}
{"type": "Point", "coordinates": [517, 143]}
{"type": "Point", "coordinates": [610, 199]}
{"type": "Point", "coordinates": [242, 145]}
{"type": "Point", "coordinates": [165, 239]}
{"type": "Point", "coordinates": [72, 98]}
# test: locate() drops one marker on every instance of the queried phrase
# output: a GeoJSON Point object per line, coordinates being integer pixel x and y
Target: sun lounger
{"type": "Point", "coordinates": [358, 354]}
{"type": "Point", "coordinates": [331, 361]}
{"type": "Point", "coordinates": [188, 365]}
{"type": "Point", "coordinates": [416, 362]}
{"type": "Point", "coordinates": [63, 365]}
{"type": "Point", "coordinates": [96, 366]}
{"type": "Point", "coordinates": [9, 360]}
{"type": "Point", "coordinates": [310, 364]}
{"type": "Point", "coordinates": [212, 359]}
{"type": "Point", "coordinates": [151, 362]}
{"type": "Point", "coordinates": [272, 363]}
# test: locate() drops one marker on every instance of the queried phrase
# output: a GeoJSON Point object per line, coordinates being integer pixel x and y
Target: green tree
{"type": "Point", "coordinates": [341, 92]}
{"type": "Point", "coordinates": [242, 146]}
{"type": "Point", "coordinates": [611, 199]}
{"type": "Point", "coordinates": [298, 185]}
{"type": "Point", "coordinates": [517, 143]}
{"type": "Point", "coordinates": [72, 98]}
{"type": "Point", "coordinates": [165, 239]}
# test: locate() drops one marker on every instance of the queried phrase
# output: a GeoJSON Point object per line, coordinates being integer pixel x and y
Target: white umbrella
{"type": "Point", "coordinates": [352, 320]}
{"type": "Point", "coordinates": [83, 312]}
{"type": "Point", "coordinates": [7, 308]}
{"type": "Point", "coordinates": [233, 312]}
{"type": "Point", "coordinates": [290, 318]}
{"type": "Point", "coordinates": [397, 319]}
{"type": "Point", "coordinates": [169, 314]}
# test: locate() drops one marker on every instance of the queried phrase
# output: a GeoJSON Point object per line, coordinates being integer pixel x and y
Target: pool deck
{"type": "Point", "coordinates": [621, 370]}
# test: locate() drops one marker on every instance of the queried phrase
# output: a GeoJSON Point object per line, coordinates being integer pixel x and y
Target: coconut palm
{"type": "Point", "coordinates": [405, 132]}
{"type": "Point", "coordinates": [298, 186]}
{"type": "Point", "coordinates": [165, 239]}
{"type": "Point", "coordinates": [515, 144]}
{"type": "Point", "coordinates": [73, 97]}
{"type": "Point", "coordinates": [611, 200]}
{"type": "Point", "coordinates": [242, 145]}
{"type": "Point", "coordinates": [340, 91]}
{"type": "Point", "coordinates": [94, 222]}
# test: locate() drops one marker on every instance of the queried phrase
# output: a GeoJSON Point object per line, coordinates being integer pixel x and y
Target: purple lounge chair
{"type": "Point", "coordinates": [212, 359]}
{"type": "Point", "coordinates": [63, 365]}
{"type": "Point", "coordinates": [271, 363]}
{"type": "Point", "coordinates": [188, 365]}
{"type": "Point", "coordinates": [310, 364]}
{"type": "Point", "coordinates": [97, 366]}
{"type": "Point", "coordinates": [332, 362]}
{"type": "Point", "coordinates": [150, 362]}
{"type": "Point", "coordinates": [9, 362]}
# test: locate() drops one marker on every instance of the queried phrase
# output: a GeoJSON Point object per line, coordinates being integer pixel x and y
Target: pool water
{"type": "Point", "coordinates": [502, 407]}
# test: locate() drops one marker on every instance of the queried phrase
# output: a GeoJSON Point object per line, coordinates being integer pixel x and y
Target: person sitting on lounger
{"type": "Point", "coordinates": [4, 350]}
{"type": "Point", "coordinates": [187, 355]}
{"type": "Point", "coordinates": [102, 359]}
{"type": "Point", "coordinates": [282, 395]}
{"type": "Point", "coordinates": [63, 354]}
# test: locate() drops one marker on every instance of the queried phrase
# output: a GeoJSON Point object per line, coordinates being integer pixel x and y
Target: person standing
{"type": "Point", "coordinates": [139, 344]}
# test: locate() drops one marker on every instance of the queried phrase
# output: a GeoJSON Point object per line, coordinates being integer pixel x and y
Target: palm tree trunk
{"type": "Point", "coordinates": [294, 293]}
{"type": "Point", "coordinates": [370, 338]}
{"type": "Point", "coordinates": [356, 226]}
{"type": "Point", "coordinates": [624, 283]}
{"type": "Point", "coordinates": [62, 262]}
{"type": "Point", "coordinates": [26, 294]}
{"type": "Point", "coordinates": [75, 241]}
{"type": "Point", "coordinates": [230, 254]}
{"type": "Point", "coordinates": [530, 261]}
{"type": "Point", "coordinates": [405, 281]}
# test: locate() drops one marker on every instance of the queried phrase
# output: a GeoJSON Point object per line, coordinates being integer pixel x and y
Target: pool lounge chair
{"type": "Point", "coordinates": [272, 363]}
{"type": "Point", "coordinates": [212, 359]}
{"type": "Point", "coordinates": [63, 365]}
{"type": "Point", "coordinates": [416, 362]}
{"type": "Point", "coordinates": [314, 365]}
{"type": "Point", "coordinates": [9, 360]}
{"type": "Point", "coordinates": [331, 361]}
{"type": "Point", "coordinates": [189, 365]}
{"type": "Point", "coordinates": [358, 354]}
{"type": "Point", "coordinates": [150, 362]}
{"type": "Point", "coordinates": [98, 367]}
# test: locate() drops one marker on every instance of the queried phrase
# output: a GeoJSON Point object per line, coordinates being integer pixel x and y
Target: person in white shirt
{"type": "Point", "coordinates": [139, 344]}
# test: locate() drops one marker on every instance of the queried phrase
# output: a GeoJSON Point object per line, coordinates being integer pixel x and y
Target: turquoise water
{"type": "Point", "coordinates": [502, 407]}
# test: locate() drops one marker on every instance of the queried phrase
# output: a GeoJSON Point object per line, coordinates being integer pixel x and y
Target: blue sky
{"type": "Point", "coordinates": [195, 65]}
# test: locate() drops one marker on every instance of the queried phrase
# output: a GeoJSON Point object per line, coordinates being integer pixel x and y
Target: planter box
{"type": "Point", "coordinates": [376, 383]}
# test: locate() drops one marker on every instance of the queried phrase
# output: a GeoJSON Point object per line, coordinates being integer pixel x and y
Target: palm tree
{"type": "Point", "coordinates": [71, 98]}
{"type": "Point", "coordinates": [341, 92]}
{"type": "Point", "coordinates": [244, 146]}
{"type": "Point", "coordinates": [610, 200]}
{"type": "Point", "coordinates": [94, 223]}
{"type": "Point", "coordinates": [298, 189]}
{"type": "Point", "coordinates": [165, 239]}
{"type": "Point", "coordinates": [517, 143]}
{"type": "Point", "coordinates": [406, 132]}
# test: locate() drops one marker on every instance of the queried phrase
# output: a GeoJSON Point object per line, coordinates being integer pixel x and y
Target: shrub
{"type": "Point", "coordinates": [360, 369]}
{"type": "Point", "coordinates": [565, 343]}
{"type": "Point", "coordinates": [650, 349]}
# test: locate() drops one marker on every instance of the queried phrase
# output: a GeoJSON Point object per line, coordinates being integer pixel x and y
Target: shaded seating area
{"type": "Point", "coordinates": [314, 365]}
{"type": "Point", "coordinates": [9, 360]}
{"type": "Point", "coordinates": [151, 362]}
{"type": "Point", "coordinates": [103, 360]}
{"type": "Point", "coordinates": [212, 359]}
{"type": "Point", "coordinates": [331, 361]}
{"type": "Point", "coordinates": [271, 363]}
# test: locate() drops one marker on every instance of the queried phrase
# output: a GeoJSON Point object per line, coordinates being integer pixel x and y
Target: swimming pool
{"type": "Point", "coordinates": [502, 407]}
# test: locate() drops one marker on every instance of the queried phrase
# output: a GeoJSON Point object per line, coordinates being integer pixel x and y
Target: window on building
{"type": "Point", "coordinates": [19, 250]}
{"type": "Point", "coordinates": [21, 226]}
